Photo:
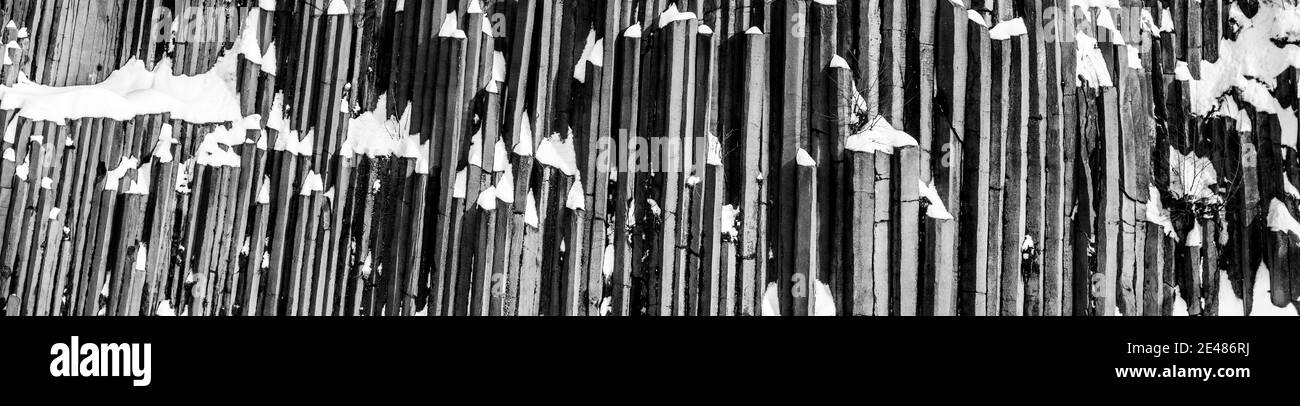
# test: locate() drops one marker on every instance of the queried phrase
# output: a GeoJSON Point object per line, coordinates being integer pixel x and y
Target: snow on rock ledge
{"type": "Point", "coordinates": [132, 91]}
{"type": "Point", "coordinates": [1280, 219]}
{"type": "Point", "coordinates": [879, 136]}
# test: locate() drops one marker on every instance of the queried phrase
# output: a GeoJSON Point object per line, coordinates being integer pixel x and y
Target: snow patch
{"type": "Point", "coordinates": [139, 185]}
{"type": "Point", "coordinates": [264, 190]}
{"type": "Point", "coordinates": [558, 153]}
{"type": "Point", "coordinates": [113, 178]}
{"type": "Point", "coordinates": [633, 31]}
{"type": "Point", "coordinates": [728, 220]}
{"type": "Point", "coordinates": [530, 211]}
{"type": "Point", "coordinates": [131, 91]}
{"type": "Point", "coordinates": [1089, 62]}
{"type": "Point", "coordinates": [248, 44]}
{"type": "Point", "coordinates": [141, 257]}
{"type": "Point", "coordinates": [270, 59]}
{"type": "Point", "coordinates": [823, 301]}
{"type": "Point", "coordinates": [295, 144]}
{"type": "Point", "coordinates": [1166, 21]}
{"type": "Point", "coordinates": [1180, 306]}
{"type": "Point", "coordinates": [458, 189]}
{"type": "Point", "coordinates": [715, 151]}
{"type": "Point", "coordinates": [1195, 235]}
{"type": "Point", "coordinates": [505, 187]}
{"type": "Point", "coordinates": [524, 142]}
{"type": "Point", "coordinates": [1229, 303]}
{"type": "Point", "coordinates": [1007, 29]}
{"type": "Point", "coordinates": [377, 134]}
{"type": "Point", "coordinates": [1181, 71]}
{"type": "Point", "coordinates": [500, 159]}
{"type": "Point", "coordinates": [577, 199]}
{"type": "Point", "coordinates": [803, 159]}
{"type": "Point", "coordinates": [672, 14]}
{"type": "Point", "coordinates": [22, 170]}
{"type": "Point", "coordinates": [1134, 57]}
{"type": "Point", "coordinates": [1262, 296]}
{"type": "Point", "coordinates": [1250, 64]}
{"type": "Point", "coordinates": [11, 131]}
{"type": "Point", "coordinates": [589, 54]}
{"type": "Point", "coordinates": [879, 136]}
{"type": "Point", "coordinates": [183, 177]}
{"type": "Point", "coordinates": [449, 29]}
{"type": "Point", "coordinates": [487, 199]}
{"type": "Point", "coordinates": [936, 209]}
{"type": "Point", "coordinates": [165, 307]}
{"type": "Point", "coordinates": [1289, 187]}
{"type": "Point", "coordinates": [977, 18]}
{"type": "Point", "coordinates": [312, 183]}
{"type": "Point", "coordinates": [498, 67]}
{"type": "Point", "coordinates": [1281, 220]}
{"type": "Point", "coordinates": [365, 267]}
{"type": "Point", "coordinates": [838, 62]}
{"type": "Point", "coordinates": [1156, 213]}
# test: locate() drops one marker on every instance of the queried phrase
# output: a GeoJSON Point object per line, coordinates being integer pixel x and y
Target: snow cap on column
{"type": "Point", "coordinates": [337, 7]}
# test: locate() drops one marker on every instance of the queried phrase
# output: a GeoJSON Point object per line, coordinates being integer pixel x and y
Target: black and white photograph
{"type": "Point", "coordinates": [217, 163]}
